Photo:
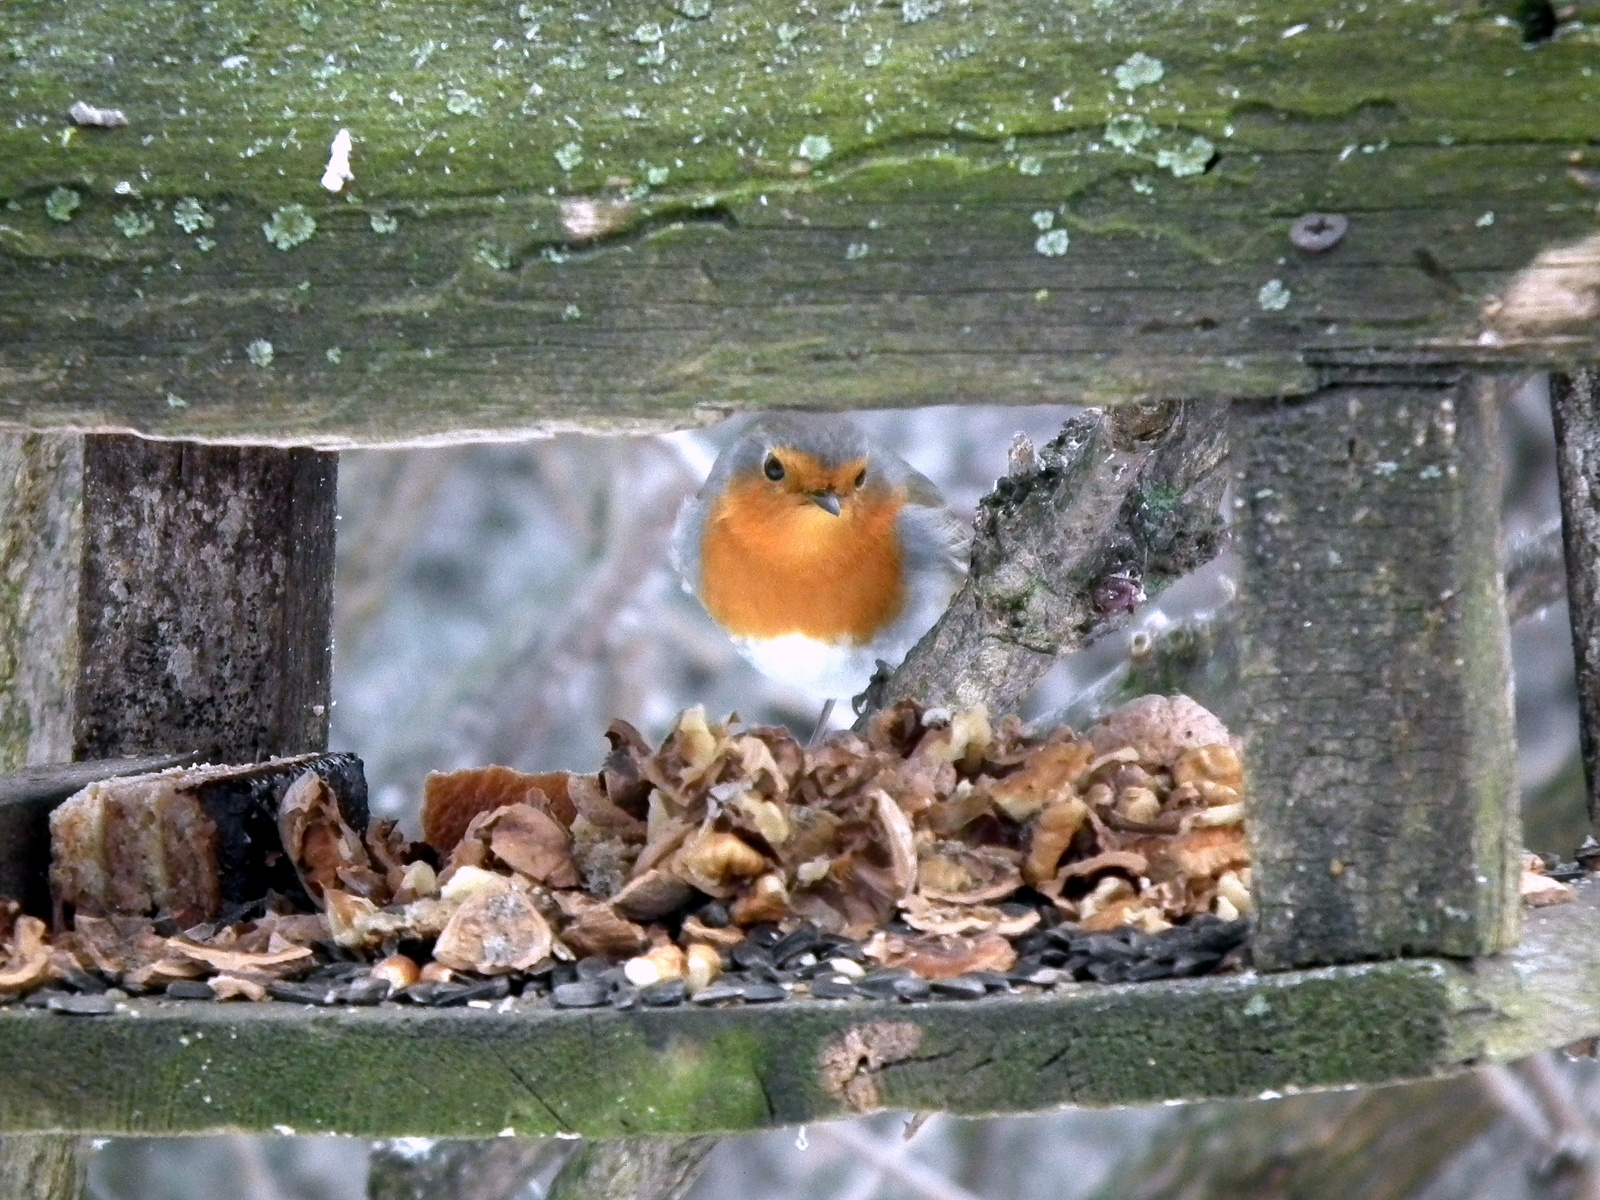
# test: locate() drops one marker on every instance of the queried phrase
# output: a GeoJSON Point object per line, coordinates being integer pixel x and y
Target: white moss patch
{"type": "Point", "coordinates": [289, 227]}
{"type": "Point", "coordinates": [132, 223]}
{"type": "Point", "coordinates": [815, 147]}
{"type": "Point", "coordinates": [1188, 160]}
{"type": "Point", "coordinates": [1273, 296]}
{"type": "Point", "coordinates": [60, 204]}
{"type": "Point", "coordinates": [1139, 69]}
{"type": "Point", "coordinates": [1053, 244]}
{"type": "Point", "coordinates": [190, 215]}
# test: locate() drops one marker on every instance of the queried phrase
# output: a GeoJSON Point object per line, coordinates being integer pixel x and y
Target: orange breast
{"type": "Point", "coordinates": [772, 565]}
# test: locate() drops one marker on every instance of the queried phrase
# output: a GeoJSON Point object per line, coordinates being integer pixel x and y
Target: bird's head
{"type": "Point", "coordinates": [822, 461]}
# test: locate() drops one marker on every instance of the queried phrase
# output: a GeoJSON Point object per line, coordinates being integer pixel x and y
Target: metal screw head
{"type": "Point", "coordinates": [1316, 232]}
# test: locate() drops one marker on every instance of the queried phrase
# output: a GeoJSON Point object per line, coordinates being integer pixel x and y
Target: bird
{"type": "Point", "coordinates": [818, 552]}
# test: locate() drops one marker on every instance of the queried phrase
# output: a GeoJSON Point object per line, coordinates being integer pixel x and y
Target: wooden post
{"type": "Point", "coordinates": [1375, 674]}
{"type": "Point", "coordinates": [158, 598]}
{"type": "Point", "coordinates": [163, 597]}
{"type": "Point", "coordinates": [1575, 406]}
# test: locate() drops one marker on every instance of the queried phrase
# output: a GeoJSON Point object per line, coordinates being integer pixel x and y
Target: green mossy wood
{"type": "Point", "coordinates": [1375, 674]}
{"type": "Point", "coordinates": [627, 212]}
{"type": "Point", "coordinates": [185, 1067]}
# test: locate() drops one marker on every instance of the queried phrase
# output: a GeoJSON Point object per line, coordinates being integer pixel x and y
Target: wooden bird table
{"type": "Point", "coordinates": [634, 215]}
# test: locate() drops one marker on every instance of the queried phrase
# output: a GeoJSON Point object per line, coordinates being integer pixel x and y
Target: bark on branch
{"type": "Point", "coordinates": [1121, 501]}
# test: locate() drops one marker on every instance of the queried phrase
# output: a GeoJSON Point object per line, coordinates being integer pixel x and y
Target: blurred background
{"type": "Point", "coordinates": [502, 603]}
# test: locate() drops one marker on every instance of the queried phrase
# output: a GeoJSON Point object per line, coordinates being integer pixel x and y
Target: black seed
{"type": "Point", "coordinates": [1064, 937]}
{"type": "Point", "coordinates": [714, 915]}
{"type": "Point", "coordinates": [913, 987]}
{"type": "Point", "coordinates": [748, 954]}
{"type": "Point", "coordinates": [1077, 966]}
{"type": "Point", "coordinates": [614, 978]}
{"type": "Point", "coordinates": [190, 989]}
{"type": "Point", "coordinates": [563, 973]}
{"type": "Point", "coordinates": [594, 966]}
{"type": "Point", "coordinates": [718, 992]}
{"type": "Point", "coordinates": [665, 994]}
{"type": "Point", "coordinates": [993, 980]}
{"type": "Point", "coordinates": [433, 993]}
{"type": "Point", "coordinates": [488, 989]}
{"type": "Point", "coordinates": [962, 987]}
{"type": "Point", "coordinates": [763, 993]}
{"type": "Point", "coordinates": [82, 981]}
{"type": "Point", "coordinates": [802, 938]}
{"type": "Point", "coordinates": [765, 935]}
{"type": "Point", "coordinates": [624, 997]}
{"type": "Point", "coordinates": [336, 972]}
{"type": "Point", "coordinates": [1034, 943]}
{"type": "Point", "coordinates": [838, 947]}
{"type": "Point", "coordinates": [82, 1005]}
{"type": "Point", "coordinates": [41, 998]}
{"type": "Point", "coordinates": [1108, 971]}
{"type": "Point", "coordinates": [1107, 946]}
{"type": "Point", "coordinates": [366, 990]}
{"type": "Point", "coordinates": [1196, 962]}
{"type": "Point", "coordinates": [832, 987]}
{"type": "Point", "coordinates": [578, 995]}
{"type": "Point", "coordinates": [1149, 969]}
{"type": "Point", "coordinates": [880, 984]}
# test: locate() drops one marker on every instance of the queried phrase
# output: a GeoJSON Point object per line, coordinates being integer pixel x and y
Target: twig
{"type": "Point", "coordinates": [1536, 573]}
{"type": "Point", "coordinates": [638, 1168]}
{"type": "Point", "coordinates": [887, 1159]}
{"type": "Point", "coordinates": [1575, 407]}
{"type": "Point", "coordinates": [1123, 502]}
{"type": "Point", "coordinates": [491, 1169]}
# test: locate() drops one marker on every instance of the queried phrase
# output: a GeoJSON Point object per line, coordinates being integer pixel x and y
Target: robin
{"type": "Point", "coordinates": [818, 552]}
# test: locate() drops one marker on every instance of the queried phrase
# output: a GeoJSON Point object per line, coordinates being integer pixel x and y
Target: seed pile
{"type": "Point", "coordinates": [937, 856]}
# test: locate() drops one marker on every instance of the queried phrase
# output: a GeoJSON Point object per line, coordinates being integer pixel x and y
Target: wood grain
{"type": "Point", "coordinates": [1375, 674]}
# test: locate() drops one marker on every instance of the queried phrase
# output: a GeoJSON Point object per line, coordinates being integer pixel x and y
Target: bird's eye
{"type": "Point", "coordinates": [772, 468]}
{"type": "Point", "coordinates": [861, 476]}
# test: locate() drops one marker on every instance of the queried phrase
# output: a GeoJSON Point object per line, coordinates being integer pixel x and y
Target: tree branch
{"type": "Point", "coordinates": [1120, 504]}
{"type": "Point", "coordinates": [634, 1168]}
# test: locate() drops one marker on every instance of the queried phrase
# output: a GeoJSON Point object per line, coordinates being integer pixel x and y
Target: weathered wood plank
{"type": "Point", "coordinates": [1375, 674]}
{"type": "Point", "coordinates": [183, 1067]}
{"type": "Point", "coordinates": [591, 224]}
{"type": "Point", "coordinates": [167, 598]}
{"type": "Point", "coordinates": [1575, 405]}
{"type": "Point", "coordinates": [42, 1167]}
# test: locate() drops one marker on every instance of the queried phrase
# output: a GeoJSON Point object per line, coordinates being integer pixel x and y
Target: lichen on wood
{"type": "Point", "coordinates": [636, 215]}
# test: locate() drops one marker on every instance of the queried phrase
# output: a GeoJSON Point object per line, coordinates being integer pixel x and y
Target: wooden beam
{"type": "Point", "coordinates": [42, 1167]}
{"type": "Point", "coordinates": [631, 215]}
{"type": "Point", "coordinates": [1375, 674]}
{"type": "Point", "coordinates": [169, 598]}
{"type": "Point", "coordinates": [405, 1071]}
{"type": "Point", "coordinates": [160, 598]}
{"type": "Point", "coordinates": [1575, 405]}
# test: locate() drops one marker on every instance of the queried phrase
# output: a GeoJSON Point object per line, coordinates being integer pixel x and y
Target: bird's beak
{"type": "Point", "coordinates": [827, 500]}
